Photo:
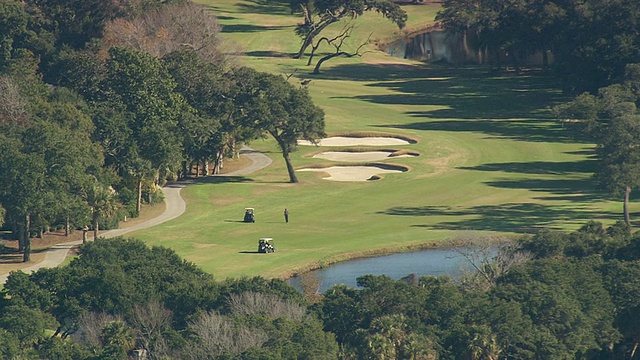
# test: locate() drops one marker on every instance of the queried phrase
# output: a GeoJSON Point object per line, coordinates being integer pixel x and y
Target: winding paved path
{"type": "Point", "coordinates": [175, 206]}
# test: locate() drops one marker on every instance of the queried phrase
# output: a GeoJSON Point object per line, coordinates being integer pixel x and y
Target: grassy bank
{"type": "Point", "coordinates": [492, 160]}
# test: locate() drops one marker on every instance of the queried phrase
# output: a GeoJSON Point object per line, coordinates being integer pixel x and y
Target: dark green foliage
{"type": "Point", "coordinates": [9, 345]}
{"type": "Point", "coordinates": [592, 41]}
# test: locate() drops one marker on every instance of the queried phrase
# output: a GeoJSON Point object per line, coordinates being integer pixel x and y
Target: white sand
{"type": "Point", "coordinates": [355, 173]}
{"type": "Point", "coordinates": [355, 141]}
{"type": "Point", "coordinates": [352, 173]}
{"type": "Point", "coordinates": [361, 156]}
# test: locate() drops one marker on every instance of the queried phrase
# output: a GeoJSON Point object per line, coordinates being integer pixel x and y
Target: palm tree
{"type": "Point", "coordinates": [483, 345]}
{"type": "Point", "coordinates": [102, 202]}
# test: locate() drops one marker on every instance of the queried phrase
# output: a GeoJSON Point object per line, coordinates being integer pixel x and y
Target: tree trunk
{"type": "Point", "coordinates": [305, 44]}
{"type": "Point", "coordinates": [627, 193]}
{"type": "Point", "coordinates": [316, 70]}
{"type": "Point", "coordinates": [96, 226]}
{"type": "Point", "coordinates": [67, 226]}
{"type": "Point", "coordinates": [184, 171]}
{"type": "Point", "coordinates": [205, 167]}
{"type": "Point", "coordinates": [19, 234]}
{"type": "Point", "coordinates": [26, 255]}
{"type": "Point", "coordinates": [139, 196]}
{"type": "Point", "coordinates": [290, 170]}
{"type": "Point", "coordinates": [516, 63]}
{"type": "Point", "coordinates": [308, 40]}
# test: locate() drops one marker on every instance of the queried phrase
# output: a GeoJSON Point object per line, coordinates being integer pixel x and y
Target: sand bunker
{"type": "Point", "coordinates": [354, 173]}
{"type": "Point", "coordinates": [357, 141]}
{"type": "Point", "coordinates": [359, 156]}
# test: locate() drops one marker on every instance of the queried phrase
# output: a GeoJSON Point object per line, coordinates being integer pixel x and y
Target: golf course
{"type": "Point", "coordinates": [491, 158]}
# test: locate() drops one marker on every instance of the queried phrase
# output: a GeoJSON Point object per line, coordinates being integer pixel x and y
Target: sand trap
{"type": "Point", "coordinates": [358, 156]}
{"type": "Point", "coordinates": [353, 173]}
{"type": "Point", "coordinates": [355, 141]}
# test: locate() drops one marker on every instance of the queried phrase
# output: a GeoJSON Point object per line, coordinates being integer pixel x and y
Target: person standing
{"type": "Point", "coordinates": [286, 216]}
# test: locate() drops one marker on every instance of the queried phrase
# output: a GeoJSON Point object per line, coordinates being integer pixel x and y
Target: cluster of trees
{"type": "Point", "coordinates": [120, 297]}
{"type": "Point", "coordinates": [567, 296]}
{"type": "Point", "coordinates": [103, 101]}
{"type": "Point", "coordinates": [591, 40]}
{"type": "Point", "coordinates": [611, 118]}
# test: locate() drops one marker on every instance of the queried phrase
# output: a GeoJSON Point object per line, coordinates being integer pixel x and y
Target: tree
{"type": "Point", "coordinates": [22, 185]}
{"type": "Point", "coordinates": [101, 200]}
{"type": "Point", "coordinates": [337, 42]}
{"type": "Point", "coordinates": [619, 152]}
{"type": "Point", "coordinates": [285, 112]}
{"type": "Point", "coordinates": [613, 120]}
{"type": "Point", "coordinates": [150, 322]}
{"type": "Point", "coordinates": [171, 28]}
{"type": "Point", "coordinates": [117, 341]}
{"type": "Point", "coordinates": [13, 106]}
{"type": "Point", "coordinates": [319, 14]}
{"type": "Point", "coordinates": [213, 131]}
{"type": "Point", "coordinates": [13, 30]}
{"type": "Point", "coordinates": [142, 83]}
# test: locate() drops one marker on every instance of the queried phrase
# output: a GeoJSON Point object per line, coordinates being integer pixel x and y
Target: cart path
{"type": "Point", "coordinates": [175, 206]}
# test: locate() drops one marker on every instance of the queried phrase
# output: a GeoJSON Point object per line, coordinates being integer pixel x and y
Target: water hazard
{"type": "Point", "coordinates": [396, 266]}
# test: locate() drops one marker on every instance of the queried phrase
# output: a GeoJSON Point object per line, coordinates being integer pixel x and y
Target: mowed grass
{"type": "Point", "coordinates": [492, 160]}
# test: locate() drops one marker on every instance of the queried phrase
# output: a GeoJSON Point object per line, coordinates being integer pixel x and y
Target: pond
{"type": "Point", "coordinates": [396, 266]}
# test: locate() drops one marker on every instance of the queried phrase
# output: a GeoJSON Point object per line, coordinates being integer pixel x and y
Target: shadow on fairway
{"type": "Point", "coordinates": [271, 7]}
{"type": "Point", "coordinates": [466, 99]}
{"type": "Point", "coordinates": [539, 167]}
{"type": "Point", "coordinates": [273, 54]}
{"type": "Point", "coordinates": [243, 28]}
{"type": "Point", "coordinates": [248, 252]}
{"type": "Point", "coordinates": [519, 218]}
{"type": "Point", "coordinates": [218, 179]}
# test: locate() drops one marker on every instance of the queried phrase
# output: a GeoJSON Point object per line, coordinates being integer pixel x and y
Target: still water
{"type": "Point", "coordinates": [396, 266]}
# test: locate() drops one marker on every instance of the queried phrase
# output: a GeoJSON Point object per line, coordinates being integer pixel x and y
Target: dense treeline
{"type": "Point", "coordinates": [552, 295]}
{"type": "Point", "coordinates": [101, 102]}
{"type": "Point", "coordinates": [591, 40]}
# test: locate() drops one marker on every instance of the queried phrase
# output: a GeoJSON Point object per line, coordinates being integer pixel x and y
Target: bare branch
{"type": "Point", "coordinates": [337, 42]}
{"type": "Point", "coordinates": [253, 303]}
{"type": "Point", "coordinates": [169, 29]}
{"type": "Point", "coordinates": [13, 107]}
{"type": "Point", "coordinates": [490, 257]}
{"type": "Point", "coordinates": [216, 334]}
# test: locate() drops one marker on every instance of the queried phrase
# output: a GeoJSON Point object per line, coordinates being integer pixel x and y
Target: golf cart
{"type": "Point", "coordinates": [249, 215]}
{"type": "Point", "coordinates": [265, 246]}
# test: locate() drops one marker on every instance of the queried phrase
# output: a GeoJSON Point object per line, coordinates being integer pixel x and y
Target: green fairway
{"type": "Point", "coordinates": [492, 160]}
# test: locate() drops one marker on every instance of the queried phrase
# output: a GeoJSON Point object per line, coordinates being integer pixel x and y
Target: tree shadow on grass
{"type": "Point", "coordinates": [245, 28]}
{"type": "Point", "coordinates": [272, 54]}
{"type": "Point", "coordinates": [220, 179]}
{"type": "Point", "coordinates": [538, 167]}
{"type": "Point", "coordinates": [270, 7]}
{"type": "Point", "coordinates": [522, 130]}
{"type": "Point", "coordinates": [519, 218]}
{"type": "Point", "coordinates": [465, 99]}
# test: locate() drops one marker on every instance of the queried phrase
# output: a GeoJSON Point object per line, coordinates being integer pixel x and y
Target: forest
{"type": "Point", "coordinates": [553, 295]}
{"type": "Point", "coordinates": [97, 112]}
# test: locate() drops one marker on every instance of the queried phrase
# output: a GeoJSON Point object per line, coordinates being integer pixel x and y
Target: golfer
{"type": "Point", "coordinates": [286, 216]}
